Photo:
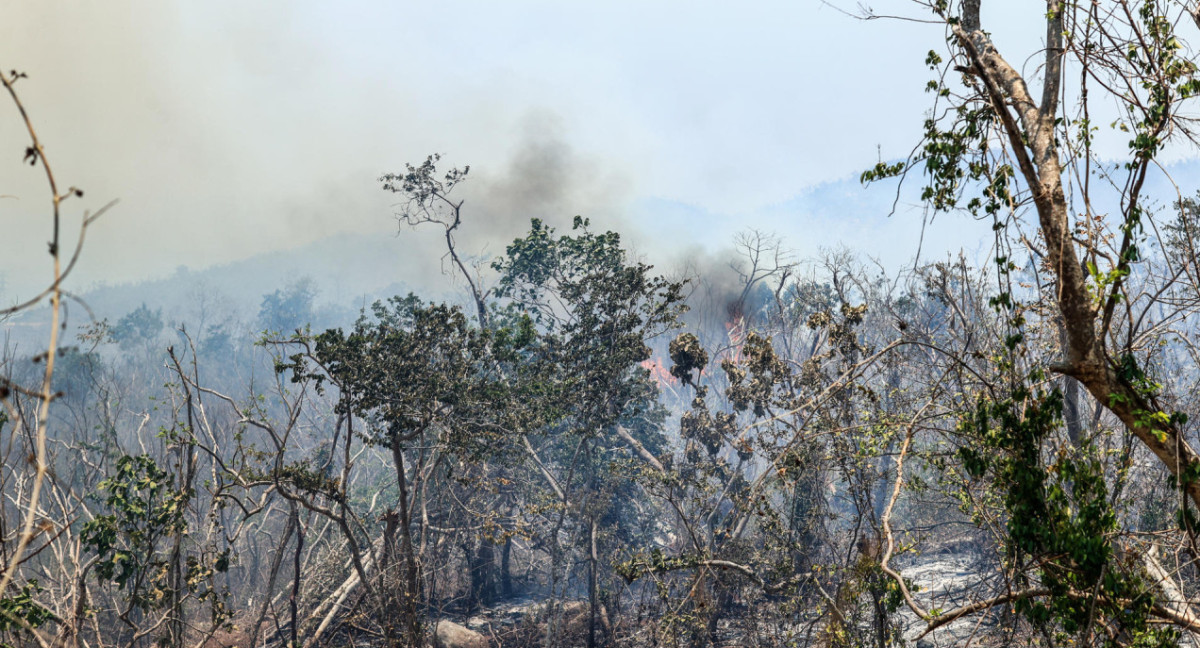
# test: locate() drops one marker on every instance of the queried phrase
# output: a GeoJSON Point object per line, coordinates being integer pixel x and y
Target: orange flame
{"type": "Point", "coordinates": [659, 372]}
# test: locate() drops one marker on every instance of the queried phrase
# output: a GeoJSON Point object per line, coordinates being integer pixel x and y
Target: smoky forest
{"type": "Point", "coordinates": [573, 446]}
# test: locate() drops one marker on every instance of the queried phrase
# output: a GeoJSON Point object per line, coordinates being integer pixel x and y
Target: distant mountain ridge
{"type": "Point", "coordinates": [348, 271]}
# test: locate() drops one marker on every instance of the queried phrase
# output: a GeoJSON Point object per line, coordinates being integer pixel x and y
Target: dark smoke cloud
{"type": "Point", "coordinates": [543, 178]}
{"type": "Point", "coordinates": [226, 131]}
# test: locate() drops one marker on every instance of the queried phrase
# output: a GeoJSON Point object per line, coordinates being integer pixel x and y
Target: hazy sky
{"type": "Point", "coordinates": [230, 128]}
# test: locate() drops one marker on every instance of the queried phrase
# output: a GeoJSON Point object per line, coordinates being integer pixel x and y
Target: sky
{"type": "Point", "coordinates": [228, 129]}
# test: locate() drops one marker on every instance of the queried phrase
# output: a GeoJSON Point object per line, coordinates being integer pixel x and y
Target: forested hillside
{"type": "Point", "coordinates": [579, 448]}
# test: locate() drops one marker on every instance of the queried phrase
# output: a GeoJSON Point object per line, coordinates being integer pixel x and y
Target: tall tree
{"type": "Point", "coordinates": [1025, 149]}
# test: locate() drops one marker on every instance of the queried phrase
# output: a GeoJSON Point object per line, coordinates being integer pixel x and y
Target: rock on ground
{"type": "Point", "coordinates": [448, 634]}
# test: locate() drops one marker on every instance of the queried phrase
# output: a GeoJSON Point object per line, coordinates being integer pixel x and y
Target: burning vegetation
{"type": "Point", "coordinates": [585, 451]}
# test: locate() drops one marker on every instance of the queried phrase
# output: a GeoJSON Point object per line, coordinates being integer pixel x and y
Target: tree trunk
{"type": "Point", "coordinates": [294, 599]}
{"type": "Point", "coordinates": [1030, 128]}
{"type": "Point", "coordinates": [485, 565]}
{"type": "Point", "coordinates": [276, 563]}
{"type": "Point", "coordinates": [592, 593]}
{"type": "Point", "coordinates": [506, 589]}
{"type": "Point", "coordinates": [409, 604]}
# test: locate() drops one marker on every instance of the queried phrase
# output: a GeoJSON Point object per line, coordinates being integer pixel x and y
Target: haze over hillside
{"type": "Point", "coordinates": [349, 270]}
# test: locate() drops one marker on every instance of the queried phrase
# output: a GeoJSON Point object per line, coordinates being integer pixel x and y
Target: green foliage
{"type": "Point", "coordinates": [412, 366]}
{"type": "Point", "coordinates": [654, 561]}
{"type": "Point", "coordinates": [1060, 519]}
{"type": "Point", "coordinates": [288, 309]}
{"type": "Point", "coordinates": [1164, 75]}
{"type": "Point", "coordinates": [145, 509]}
{"type": "Point", "coordinates": [594, 312]}
{"type": "Point", "coordinates": [597, 311]}
{"type": "Point", "coordinates": [303, 476]}
{"type": "Point", "coordinates": [425, 191]}
{"type": "Point", "coordinates": [881, 171]}
{"type": "Point", "coordinates": [20, 614]}
{"type": "Point", "coordinates": [687, 356]}
{"type": "Point", "coordinates": [138, 326]}
{"type": "Point", "coordinates": [75, 371]}
{"type": "Point", "coordinates": [132, 542]}
{"type": "Point", "coordinates": [755, 384]}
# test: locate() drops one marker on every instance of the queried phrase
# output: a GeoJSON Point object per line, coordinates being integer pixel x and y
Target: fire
{"type": "Point", "coordinates": [659, 372]}
{"type": "Point", "coordinates": [735, 332]}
